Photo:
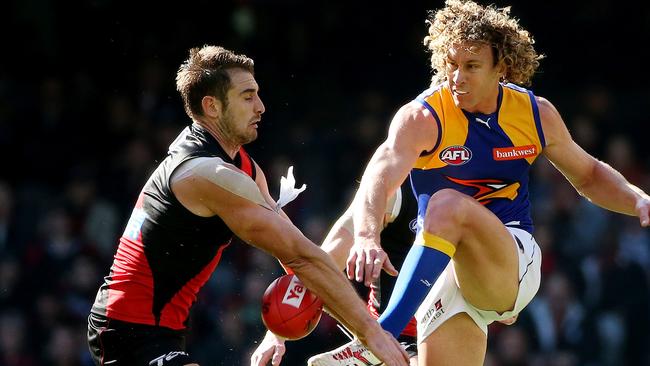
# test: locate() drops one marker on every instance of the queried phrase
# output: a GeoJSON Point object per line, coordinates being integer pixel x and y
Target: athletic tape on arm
{"type": "Point", "coordinates": [223, 174]}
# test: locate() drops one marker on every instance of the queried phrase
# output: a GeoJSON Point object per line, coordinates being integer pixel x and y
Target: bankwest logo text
{"type": "Point", "coordinates": [295, 292]}
{"type": "Point", "coordinates": [513, 153]}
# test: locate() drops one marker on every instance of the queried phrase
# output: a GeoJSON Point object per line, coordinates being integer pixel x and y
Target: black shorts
{"type": "Point", "coordinates": [116, 343]}
{"type": "Point", "coordinates": [410, 344]}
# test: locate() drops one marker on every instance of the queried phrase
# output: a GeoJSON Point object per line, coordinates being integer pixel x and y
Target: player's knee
{"type": "Point", "coordinates": [446, 207]}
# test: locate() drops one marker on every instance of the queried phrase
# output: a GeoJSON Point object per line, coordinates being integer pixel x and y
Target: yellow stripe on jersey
{"type": "Point", "coordinates": [517, 120]}
{"type": "Point", "coordinates": [435, 242]}
{"type": "Point", "coordinates": [454, 127]}
{"type": "Point", "coordinates": [509, 192]}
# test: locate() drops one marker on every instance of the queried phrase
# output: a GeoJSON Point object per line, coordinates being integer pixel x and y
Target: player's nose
{"type": "Point", "coordinates": [259, 106]}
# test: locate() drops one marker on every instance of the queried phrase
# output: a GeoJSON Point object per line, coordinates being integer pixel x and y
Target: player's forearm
{"type": "Point", "coordinates": [312, 265]}
{"type": "Point", "coordinates": [319, 273]}
{"type": "Point", "coordinates": [607, 188]}
{"type": "Point", "coordinates": [370, 201]}
{"type": "Point", "coordinates": [340, 238]}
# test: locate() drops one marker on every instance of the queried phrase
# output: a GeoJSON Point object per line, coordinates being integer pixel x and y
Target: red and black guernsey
{"type": "Point", "coordinates": [166, 253]}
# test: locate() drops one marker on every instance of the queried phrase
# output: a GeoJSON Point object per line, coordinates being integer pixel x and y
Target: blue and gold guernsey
{"type": "Point", "coordinates": [487, 157]}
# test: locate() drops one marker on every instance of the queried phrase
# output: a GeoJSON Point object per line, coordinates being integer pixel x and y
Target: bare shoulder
{"type": "Point", "coordinates": [414, 112]}
{"type": "Point", "coordinates": [546, 108]}
{"type": "Point", "coordinates": [552, 124]}
{"type": "Point", "coordinates": [414, 124]}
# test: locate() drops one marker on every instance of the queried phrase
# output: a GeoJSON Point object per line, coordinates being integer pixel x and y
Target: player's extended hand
{"type": "Point", "coordinates": [365, 262]}
{"type": "Point", "coordinates": [271, 349]}
{"type": "Point", "coordinates": [643, 211]}
{"type": "Point", "coordinates": [384, 346]}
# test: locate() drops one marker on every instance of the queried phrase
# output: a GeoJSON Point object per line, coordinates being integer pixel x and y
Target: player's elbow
{"type": "Point", "coordinates": [588, 181]}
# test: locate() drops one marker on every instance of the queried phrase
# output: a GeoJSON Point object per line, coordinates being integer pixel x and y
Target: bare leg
{"type": "Point", "coordinates": [486, 260]}
{"type": "Point", "coordinates": [457, 342]}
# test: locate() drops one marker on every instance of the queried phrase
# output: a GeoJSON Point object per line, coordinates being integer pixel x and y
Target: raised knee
{"type": "Point", "coordinates": [447, 202]}
{"type": "Point", "coordinates": [446, 207]}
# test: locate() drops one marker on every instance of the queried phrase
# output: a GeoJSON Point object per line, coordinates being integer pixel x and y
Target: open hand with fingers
{"type": "Point", "coordinates": [365, 262]}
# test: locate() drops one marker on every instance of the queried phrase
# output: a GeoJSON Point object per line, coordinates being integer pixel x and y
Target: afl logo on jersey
{"type": "Point", "coordinates": [456, 155]}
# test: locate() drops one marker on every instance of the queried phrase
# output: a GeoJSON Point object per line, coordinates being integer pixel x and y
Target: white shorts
{"type": "Point", "coordinates": [445, 299]}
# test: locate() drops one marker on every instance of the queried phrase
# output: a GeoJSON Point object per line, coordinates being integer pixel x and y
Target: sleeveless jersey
{"type": "Point", "coordinates": [487, 157]}
{"type": "Point", "coordinates": [166, 253]}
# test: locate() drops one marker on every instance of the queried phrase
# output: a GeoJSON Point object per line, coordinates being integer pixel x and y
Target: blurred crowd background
{"type": "Point", "coordinates": [88, 107]}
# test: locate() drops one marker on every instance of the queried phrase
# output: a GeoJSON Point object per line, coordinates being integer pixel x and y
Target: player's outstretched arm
{"type": "Point", "coordinates": [593, 179]}
{"type": "Point", "coordinates": [269, 231]}
{"type": "Point", "coordinates": [340, 238]}
{"type": "Point", "coordinates": [411, 132]}
{"type": "Point", "coordinates": [337, 244]}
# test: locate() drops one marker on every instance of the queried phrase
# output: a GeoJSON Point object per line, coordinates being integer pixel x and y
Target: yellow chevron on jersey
{"type": "Point", "coordinates": [489, 189]}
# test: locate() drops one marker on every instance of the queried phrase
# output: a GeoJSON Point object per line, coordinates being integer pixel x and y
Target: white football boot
{"type": "Point", "coordinates": [353, 353]}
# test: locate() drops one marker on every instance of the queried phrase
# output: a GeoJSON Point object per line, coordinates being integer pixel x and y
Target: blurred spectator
{"type": "Point", "coordinates": [13, 292]}
{"type": "Point", "coordinates": [64, 346]}
{"type": "Point", "coordinates": [6, 216]}
{"type": "Point", "coordinates": [512, 347]}
{"type": "Point", "coordinates": [557, 317]}
{"type": "Point", "coordinates": [14, 343]}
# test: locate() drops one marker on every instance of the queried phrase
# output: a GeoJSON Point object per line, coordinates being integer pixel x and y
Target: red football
{"type": "Point", "coordinates": [289, 309]}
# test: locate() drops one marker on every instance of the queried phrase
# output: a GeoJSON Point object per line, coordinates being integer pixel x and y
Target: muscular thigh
{"type": "Point", "coordinates": [486, 259]}
{"type": "Point", "coordinates": [457, 342]}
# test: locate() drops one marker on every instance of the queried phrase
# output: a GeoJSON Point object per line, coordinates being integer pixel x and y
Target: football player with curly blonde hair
{"type": "Point", "coordinates": [467, 144]}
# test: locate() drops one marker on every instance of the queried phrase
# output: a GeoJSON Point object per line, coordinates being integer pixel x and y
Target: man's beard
{"type": "Point", "coordinates": [238, 137]}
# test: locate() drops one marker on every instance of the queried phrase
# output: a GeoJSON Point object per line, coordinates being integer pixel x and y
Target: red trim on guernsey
{"type": "Point", "coordinates": [130, 274]}
{"type": "Point", "coordinates": [246, 164]}
{"type": "Point", "coordinates": [140, 202]}
{"type": "Point", "coordinates": [287, 269]}
{"type": "Point", "coordinates": [176, 311]}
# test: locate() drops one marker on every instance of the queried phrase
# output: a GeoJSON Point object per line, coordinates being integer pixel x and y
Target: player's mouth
{"type": "Point", "coordinates": [459, 92]}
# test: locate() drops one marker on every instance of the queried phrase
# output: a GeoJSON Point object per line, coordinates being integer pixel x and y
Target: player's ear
{"type": "Point", "coordinates": [502, 69]}
{"type": "Point", "coordinates": [212, 106]}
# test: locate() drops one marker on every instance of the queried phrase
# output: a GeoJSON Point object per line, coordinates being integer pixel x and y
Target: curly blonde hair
{"type": "Point", "coordinates": [466, 21]}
